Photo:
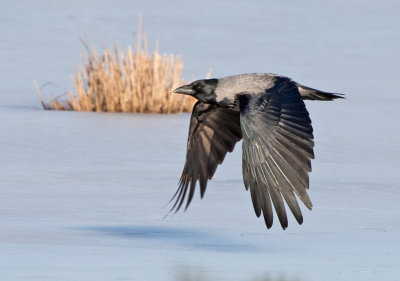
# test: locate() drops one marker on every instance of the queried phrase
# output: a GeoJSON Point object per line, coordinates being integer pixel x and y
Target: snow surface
{"type": "Point", "coordinates": [82, 194]}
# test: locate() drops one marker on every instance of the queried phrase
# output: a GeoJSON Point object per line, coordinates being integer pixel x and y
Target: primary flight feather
{"type": "Point", "coordinates": [268, 112]}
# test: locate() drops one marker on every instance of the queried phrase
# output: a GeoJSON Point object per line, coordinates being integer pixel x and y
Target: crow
{"type": "Point", "coordinates": [268, 112]}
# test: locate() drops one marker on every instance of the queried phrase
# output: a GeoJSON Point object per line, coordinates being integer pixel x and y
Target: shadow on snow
{"type": "Point", "coordinates": [177, 236]}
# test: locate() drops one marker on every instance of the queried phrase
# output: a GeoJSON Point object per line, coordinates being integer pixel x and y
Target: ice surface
{"type": "Point", "coordinates": [82, 194]}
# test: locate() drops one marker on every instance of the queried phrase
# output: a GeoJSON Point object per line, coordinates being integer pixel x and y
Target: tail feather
{"type": "Point", "coordinates": [313, 94]}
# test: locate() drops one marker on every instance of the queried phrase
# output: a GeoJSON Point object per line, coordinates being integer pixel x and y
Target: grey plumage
{"type": "Point", "coordinates": [268, 112]}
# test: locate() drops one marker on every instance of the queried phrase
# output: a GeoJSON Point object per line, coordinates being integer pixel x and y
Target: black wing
{"type": "Point", "coordinates": [277, 148]}
{"type": "Point", "coordinates": [213, 131]}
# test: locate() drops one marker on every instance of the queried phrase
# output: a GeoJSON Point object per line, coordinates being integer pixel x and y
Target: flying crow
{"type": "Point", "coordinates": [268, 112]}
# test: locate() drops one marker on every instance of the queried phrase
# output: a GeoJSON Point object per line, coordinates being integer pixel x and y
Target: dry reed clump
{"type": "Point", "coordinates": [116, 81]}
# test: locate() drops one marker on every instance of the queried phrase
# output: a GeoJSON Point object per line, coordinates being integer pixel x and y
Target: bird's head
{"type": "Point", "coordinates": [203, 90]}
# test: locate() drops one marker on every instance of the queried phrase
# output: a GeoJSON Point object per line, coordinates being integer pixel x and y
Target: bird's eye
{"type": "Point", "coordinates": [198, 87]}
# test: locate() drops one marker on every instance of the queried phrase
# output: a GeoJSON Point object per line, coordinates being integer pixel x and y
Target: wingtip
{"type": "Point", "coordinates": [202, 192]}
{"type": "Point", "coordinates": [284, 225]}
{"type": "Point", "coordinates": [268, 222]}
{"type": "Point", "coordinates": [299, 220]}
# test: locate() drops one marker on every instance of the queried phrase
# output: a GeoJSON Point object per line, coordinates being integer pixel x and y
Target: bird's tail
{"type": "Point", "coordinates": [313, 94]}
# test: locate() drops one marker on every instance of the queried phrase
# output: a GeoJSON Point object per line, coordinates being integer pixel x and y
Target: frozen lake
{"type": "Point", "coordinates": [82, 194]}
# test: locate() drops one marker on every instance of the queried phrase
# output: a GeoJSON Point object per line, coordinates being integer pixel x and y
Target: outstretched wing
{"type": "Point", "coordinates": [277, 148]}
{"type": "Point", "coordinates": [213, 131]}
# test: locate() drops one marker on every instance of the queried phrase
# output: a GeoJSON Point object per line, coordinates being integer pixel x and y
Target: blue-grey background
{"type": "Point", "coordinates": [82, 194]}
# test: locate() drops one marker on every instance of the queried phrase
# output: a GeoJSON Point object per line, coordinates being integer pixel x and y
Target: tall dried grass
{"type": "Point", "coordinates": [130, 81]}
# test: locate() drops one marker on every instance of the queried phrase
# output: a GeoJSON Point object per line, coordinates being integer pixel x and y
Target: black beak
{"type": "Point", "coordinates": [186, 90]}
